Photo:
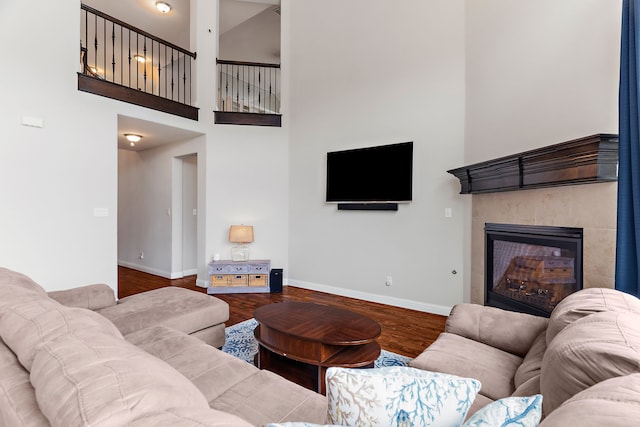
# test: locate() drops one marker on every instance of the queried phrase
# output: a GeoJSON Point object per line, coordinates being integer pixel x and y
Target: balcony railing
{"type": "Point", "coordinates": [248, 93]}
{"type": "Point", "coordinates": [123, 62]}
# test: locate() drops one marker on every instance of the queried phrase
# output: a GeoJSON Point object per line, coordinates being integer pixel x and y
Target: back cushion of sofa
{"type": "Point", "coordinates": [101, 380]}
{"type": "Point", "coordinates": [10, 277]}
{"type": "Point", "coordinates": [590, 350]}
{"type": "Point", "coordinates": [586, 302]}
{"type": "Point", "coordinates": [18, 405]}
{"type": "Point", "coordinates": [26, 326]}
{"type": "Point", "coordinates": [611, 403]}
{"type": "Point", "coordinates": [532, 362]}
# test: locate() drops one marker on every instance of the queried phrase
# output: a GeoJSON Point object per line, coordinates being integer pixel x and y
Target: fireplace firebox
{"type": "Point", "coordinates": [531, 268]}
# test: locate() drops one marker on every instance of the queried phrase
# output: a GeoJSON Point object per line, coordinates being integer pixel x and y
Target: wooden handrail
{"type": "Point", "coordinates": [137, 30]}
{"type": "Point", "coordinates": [248, 64]}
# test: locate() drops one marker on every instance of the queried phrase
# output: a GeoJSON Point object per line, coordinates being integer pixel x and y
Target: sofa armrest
{"type": "Point", "coordinates": [93, 297]}
{"type": "Point", "coordinates": [506, 330]}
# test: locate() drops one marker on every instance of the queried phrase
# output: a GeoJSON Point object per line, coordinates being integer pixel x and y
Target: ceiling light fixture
{"type": "Point", "coordinates": [132, 137]}
{"type": "Point", "coordinates": [163, 7]}
{"type": "Point", "coordinates": [141, 59]}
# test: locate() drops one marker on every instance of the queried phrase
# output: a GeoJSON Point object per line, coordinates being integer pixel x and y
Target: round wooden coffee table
{"type": "Point", "coordinates": [300, 340]}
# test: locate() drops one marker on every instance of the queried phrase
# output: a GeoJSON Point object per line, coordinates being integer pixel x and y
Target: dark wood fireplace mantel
{"type": "Point", "coordinates": [580, 161]}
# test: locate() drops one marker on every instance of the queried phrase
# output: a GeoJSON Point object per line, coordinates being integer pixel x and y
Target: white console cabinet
{"type": "Point", "coordinates": [235, 277]}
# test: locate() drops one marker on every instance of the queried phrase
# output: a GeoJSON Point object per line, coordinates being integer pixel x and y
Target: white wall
{"type": "Point", "coordinates": [539, 72]}
{"type": "Point", "coordinates": [53, 177]}
{"type": "Point", "coordinates": [255, 40]}
{"type": "Point", "coordinates": [367, 73]}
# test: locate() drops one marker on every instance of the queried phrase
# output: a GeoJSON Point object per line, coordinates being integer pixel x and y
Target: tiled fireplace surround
{"type": "Point", "coordinates": [588, 206]}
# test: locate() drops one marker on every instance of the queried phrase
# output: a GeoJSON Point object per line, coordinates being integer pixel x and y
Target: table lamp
{"type": "Point", "coordinates": [240, 234]}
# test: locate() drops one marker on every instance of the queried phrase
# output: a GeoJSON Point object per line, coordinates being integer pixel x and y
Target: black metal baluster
{"type": "Point", "coordinates": [226, 94]}
{"type": "Point", "coordinates": [95, 42]}
{"type": "Point", "coordinates": [152, 77]}
{"type": "Point", "coordinates": [121, 61]}
{"type": "Point", "coordinates": [270, 92]}
{"type": "Point", "coordinates": [260, 89]}
{"type": "Point", "coordinates": [144, 64]}
{"type": "Point", "coordinates": [137, 62]}
{"type": "Point", "coordinates": [129, 42]}
{"type": "Point", "coordinates": [184, 79]}
{"type": "Point", "coordinates": [172, 74]}
{"type": "Point", "coordinates": [166, 93]}
{"type": "Point", "coordinates": [246, 100]}
{"type": "Point", "coordinates": [104, 48]}
{"type": "Point", "coordinates": [113, 51]}
{"type": "Point", "coordinates": [237, 91]}
{"type": "Point", "coordinates": [86, 42]}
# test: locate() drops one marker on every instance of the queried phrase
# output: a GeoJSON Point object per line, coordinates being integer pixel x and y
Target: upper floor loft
{"type": "Point", "coordinates": [134, 54]}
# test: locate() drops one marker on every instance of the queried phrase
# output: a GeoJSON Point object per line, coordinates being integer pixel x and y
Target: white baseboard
{"type": "Point", "coordinates": [366, 296]}
{"type": "Point", "coordinates": [202, 283]}
{"type": "Point", "coordinates": [190, 272]}
{"type": "Point", "coordinates": [154, 271]}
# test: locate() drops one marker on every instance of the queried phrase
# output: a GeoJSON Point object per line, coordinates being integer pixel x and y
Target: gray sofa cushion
{"type": "Point", "coordinates": [178, 308]}
{"type": "Point", "coordinates": [586, 302]}
{"type": "Point", "coordinates": [588, 351]}
{"type": "Point", "coordinates": [231, 384]}
{"type": "Point", "coordinates": [93, 297]}
{"type": "Point", "coordinates": [13, 278]}
{"type": "Point", "coordinates": [18, 405]}
{"type": "Point", "coordinates": [453, 354]}
{"type": "Point", "coordinates": [506, 330]}
{"type": "Point", "coordinates": [532, 362]}
{"type": "Point", "coordinates": [611, 403]}
{"type": "Point", "coordinates": [101, 380]}
{"type": "Point", "coordinates": [189, 417]}
{"type": "Point", "coordinates": [210, 369]}
{"type": "Point", "coordinates": [26, 326]}
{"type": "Point", "coordinates": [266, 396]}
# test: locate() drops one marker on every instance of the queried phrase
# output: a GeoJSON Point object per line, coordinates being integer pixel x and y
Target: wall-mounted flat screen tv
{"type": "Point", "coordinates": [373, 174]}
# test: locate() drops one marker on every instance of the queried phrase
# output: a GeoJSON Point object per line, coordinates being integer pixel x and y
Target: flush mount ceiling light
{"type": "Point", "coordinates": [141, 59]}
{"type": "Point", "coordinates": [132, 138]}
{"type": "Point", "coordinates": [163, 7]}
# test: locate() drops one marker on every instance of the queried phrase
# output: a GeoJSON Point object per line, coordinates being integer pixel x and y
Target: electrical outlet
{"type": "Point", "coordinates": [389, 281]}
{"type": "Point", "coordinates": [141, 255]}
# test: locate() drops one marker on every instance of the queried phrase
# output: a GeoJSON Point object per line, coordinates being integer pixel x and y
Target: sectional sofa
{"type": "Point", "coordinates": [584, 359]}
{"type": "Point", "coordinates": [77, 358]}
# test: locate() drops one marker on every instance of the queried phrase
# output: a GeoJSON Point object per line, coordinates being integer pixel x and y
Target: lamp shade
{"type": "Point", "coordinates": [241, 234]}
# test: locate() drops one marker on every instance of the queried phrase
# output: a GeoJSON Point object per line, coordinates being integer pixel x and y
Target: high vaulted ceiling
{"type": "Point", "coordinates": [174, 26]}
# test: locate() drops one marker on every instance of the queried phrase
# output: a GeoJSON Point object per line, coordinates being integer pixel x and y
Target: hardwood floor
{"type": "Point", "coordinates": [404, 331]}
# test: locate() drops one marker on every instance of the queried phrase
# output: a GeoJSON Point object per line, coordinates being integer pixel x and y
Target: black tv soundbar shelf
{"type": "Point", "coordinates": [367, 206]}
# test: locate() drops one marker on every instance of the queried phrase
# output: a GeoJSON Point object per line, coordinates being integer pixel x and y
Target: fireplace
{"type": "Point", "coordinates": [529, 268]}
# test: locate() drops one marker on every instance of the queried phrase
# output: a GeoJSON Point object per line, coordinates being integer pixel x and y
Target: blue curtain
{"type": "Point", "coordinates": [628, 237]}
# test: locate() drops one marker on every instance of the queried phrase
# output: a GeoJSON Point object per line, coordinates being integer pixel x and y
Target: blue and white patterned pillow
{"type": "Point", "coordinates": [299, 424]}
{"type": "Point", "coordinates": [398, 396]}
{"type": "Point", "coordinates": [509, 412]}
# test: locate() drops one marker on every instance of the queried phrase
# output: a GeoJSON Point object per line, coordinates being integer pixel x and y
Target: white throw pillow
{"type": "Point", "coordinates": [398, 396]}
{"type": "Point", "coordinates": [510, 411]}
